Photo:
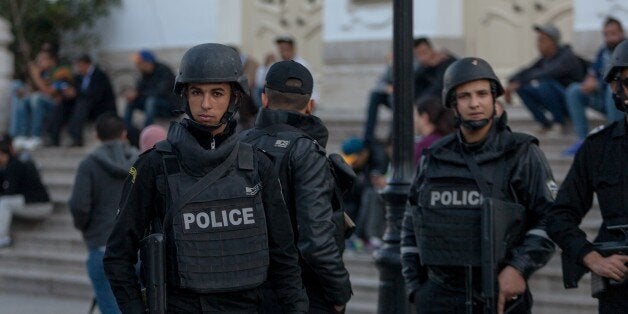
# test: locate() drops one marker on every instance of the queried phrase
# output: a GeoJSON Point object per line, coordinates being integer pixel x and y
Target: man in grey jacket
{"type": "Point", "coordinates": [95, 196]}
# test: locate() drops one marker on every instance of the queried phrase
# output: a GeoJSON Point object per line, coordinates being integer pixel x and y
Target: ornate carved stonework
{"type": "Point", "coordinates": [368, 14]}
{"type": "Point", "coordinates": [264, 20]}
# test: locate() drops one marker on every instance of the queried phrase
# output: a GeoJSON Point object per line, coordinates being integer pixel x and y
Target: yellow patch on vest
{"type": "Point", "coordinates": [133, 173]}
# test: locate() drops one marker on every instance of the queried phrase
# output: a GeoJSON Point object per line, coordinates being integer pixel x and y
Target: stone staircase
{"type": "Point", "coordinates": [48, 258]}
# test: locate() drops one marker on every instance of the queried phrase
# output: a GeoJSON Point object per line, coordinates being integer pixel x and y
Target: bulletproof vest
{"type": "Point", "coordinates": [449, 216]}
{"type": "Point", "coordinates": [219, 235]}
{"type": "Point", "coordinates": [277, 141]}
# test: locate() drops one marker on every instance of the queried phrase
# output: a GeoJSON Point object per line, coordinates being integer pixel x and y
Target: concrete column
{"type": "Point", "coordinates": [6, 73]}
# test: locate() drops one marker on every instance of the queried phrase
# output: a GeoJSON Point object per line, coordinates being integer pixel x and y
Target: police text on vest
{"type": "Point", "coordinates": [219, 218]}
{"type": "Point", "coordinates": [455, 198]}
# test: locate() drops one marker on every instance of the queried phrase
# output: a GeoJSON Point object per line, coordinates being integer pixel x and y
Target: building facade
{"type": "Point", "coordinates": [346, 41]}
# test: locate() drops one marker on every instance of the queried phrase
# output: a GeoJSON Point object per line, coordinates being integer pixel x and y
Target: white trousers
{"type": "Point", "coordinates": [14, 205]}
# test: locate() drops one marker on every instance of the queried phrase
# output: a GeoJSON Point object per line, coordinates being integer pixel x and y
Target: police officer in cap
{"type": "Point", "coordinates": [441, 228]}
{"type": "Point", "coordinates": [599, 167]}
{"type": "Point", "coordinates": [286, 129]}
{"type": "Point", "coordinates": [225, 224]}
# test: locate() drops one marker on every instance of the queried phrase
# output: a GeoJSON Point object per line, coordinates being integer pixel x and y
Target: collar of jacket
{"type": "Point", "coordinates": [196, 160]}
{"type": "Point", "coordinates": [310, 124]}
{"type": "Point", "coordinates": [498, 142]}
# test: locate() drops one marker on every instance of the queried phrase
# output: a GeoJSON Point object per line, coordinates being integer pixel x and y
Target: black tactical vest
{"type": "Point", "coordinates": [448, 215]}
{"type": "Point", "coordinates": [448, 221]}
{"type": "Point", "coordinates": [220, 235]}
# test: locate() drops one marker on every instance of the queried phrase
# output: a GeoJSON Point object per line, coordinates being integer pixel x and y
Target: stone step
{"type": "Point", "coordinates": [364, 289]}
{"type": "Point", "coordinates": [362, 307]}
{"type": "Point", "coordinates": [62, 241]}
{"type": "Point", "coordinates": [53, 261]}
{"type": "Point", "coordinates": [62, 180]}
{"type": "Point", "coordinates": [45, 282]}
{"type": "Point", "coordinates": [360, 264]}
{"type": "Point", "coordinates": [551, 303]}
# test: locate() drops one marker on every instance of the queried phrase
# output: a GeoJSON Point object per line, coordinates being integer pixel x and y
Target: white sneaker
{"type": "Point", "coordinates": [19, 142]}
{"type": "Point", "coordinates": [32, 143]}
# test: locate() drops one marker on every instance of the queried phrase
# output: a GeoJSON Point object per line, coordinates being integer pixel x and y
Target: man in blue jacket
{"type": "Point", "coordinates": [593, 91]}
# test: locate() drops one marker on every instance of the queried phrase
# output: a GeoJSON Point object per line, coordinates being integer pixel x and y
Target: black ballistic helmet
{"type": "Point", "coordinates": [467, 70]}
{"type": "Point", "coordinates": [619, 59]}
{"type": "Point", "coordinates": [212, 63]}
{"type": "Point", "coordinates": [209, 63]}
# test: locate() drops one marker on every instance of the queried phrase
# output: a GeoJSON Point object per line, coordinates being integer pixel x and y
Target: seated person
{"type": "Point", "coordinates": [153, 93]}
{"type": "Point", "coordinates": [541, 86]}
{"type": "Point", "coordinates": [428, 78]}
{"type": "Point", "coordinates": [363, 203]}
{"type": "Point", "coordinates": [92, 94]}
{"type": "Point", "coordinates": [381, 94]}
{"type": "Point", "coordinates": [21, 191]}
{"type": "Point", "coordinates": [593, 92]}
{"type": "Point", "coordinates": [49, 80]}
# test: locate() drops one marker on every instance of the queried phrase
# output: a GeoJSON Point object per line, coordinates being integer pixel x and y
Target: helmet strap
{"type": "Point", "coordinates": [619, 96]}
{"type": "Point", "coordinates": [474, 125]}
{"type": "Point", "coordinates": [234, 105]}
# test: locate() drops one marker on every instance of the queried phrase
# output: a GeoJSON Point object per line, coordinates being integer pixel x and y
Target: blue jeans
{"type": "Point", "coordinates": [375, 99]}
{"type": "Point", "coordinates": [40, 106]}
{"type": "Point", "coordinates": [542, 95]}
{"type": "Point", "coordinates": [598, 100]}
{"type": "Point", "coordinates": [28, 115]}
{"type": "Point", "coordinates": [104, 296]}
{"type": "Point", "coordinates": [19, 111]}
{"type": "Point", "coordinates": [152, 106]}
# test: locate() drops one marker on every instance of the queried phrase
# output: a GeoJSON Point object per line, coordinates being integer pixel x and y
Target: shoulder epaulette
{"type": "Point", "coordinates": [164, 146]}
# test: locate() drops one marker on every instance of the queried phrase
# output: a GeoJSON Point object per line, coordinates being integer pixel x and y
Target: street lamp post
{"type": "Point", "coordinates": [391, 297]}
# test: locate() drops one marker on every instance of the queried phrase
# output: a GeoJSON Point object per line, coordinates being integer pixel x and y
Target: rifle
{"type": "Point", "coordinates": [152, 253]}
{"type": "Point", "coordinates": [502, 223]}
{"type": "Point", "coordinates": [599, 284]}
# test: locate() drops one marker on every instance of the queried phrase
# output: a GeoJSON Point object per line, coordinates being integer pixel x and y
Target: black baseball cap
{"type": "Point", "coordinates": [282, 71]}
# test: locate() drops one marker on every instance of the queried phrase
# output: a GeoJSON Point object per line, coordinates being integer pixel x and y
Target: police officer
{"type": "Point", "coordinates": [286, 129]}
{"type": "Point", "coordinates": [225, 224]}
{"type": "Point", "coordinates": [599, 167]}
{"type": "Point", "coordinates": [441, 228]}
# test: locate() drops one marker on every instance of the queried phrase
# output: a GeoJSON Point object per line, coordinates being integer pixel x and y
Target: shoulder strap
{"type": "Point", "coordinates": [207, 180]}
{"type": "Point", "coordinates": [480, 179]}
{"type": "Point", "coordinates": [245, 157]}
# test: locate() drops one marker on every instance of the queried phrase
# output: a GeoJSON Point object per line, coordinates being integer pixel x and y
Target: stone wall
{"type": "Point", "coordinates": [6, 73]}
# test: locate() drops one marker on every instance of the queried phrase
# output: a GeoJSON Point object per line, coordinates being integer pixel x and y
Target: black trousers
{"type": "Point", "coordinates": [56, 119]}
{"type": "Point", "coordinates": [613, 302]}
{"type": "Point", "coordinates": [181, 301]}
{"type": "Point", "coordinates": [435, 299]}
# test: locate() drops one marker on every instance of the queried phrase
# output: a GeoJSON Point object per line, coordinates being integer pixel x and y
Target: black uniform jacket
{"type": "Point", "coordinates": [531, 184]}
{"type": "Point", "coordinates": [600, 167]}
{"type": "Point", "coordinates": [308, 194]}
{"type": "Point", "coordinates": [144, 197]}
